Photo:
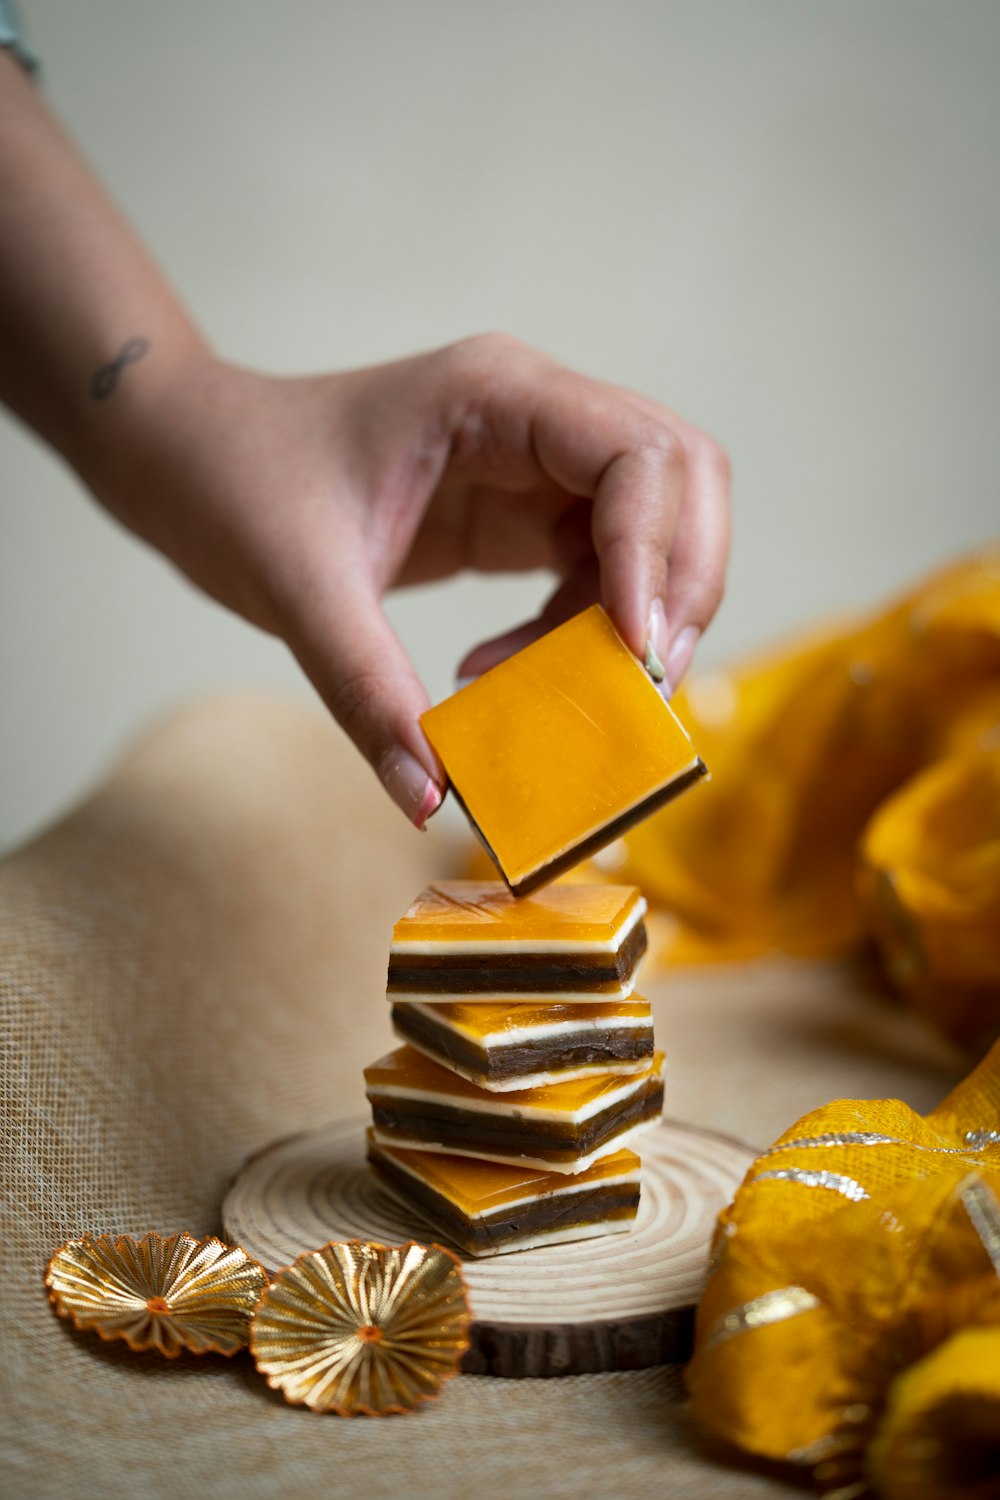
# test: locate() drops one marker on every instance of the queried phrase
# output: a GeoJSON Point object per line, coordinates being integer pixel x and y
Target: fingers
{"type": "Point", "coordinates": [635, 518]}
{"type": "Point", "coordinates": [355, 660]}
{"type": "Point", "coordinates": [661, 531]}
{"type": "Point", "coordinates": [601, 443]}
{"type": "Point", "coordinates": [660, 513]}
{"type": "Point", "coordinates": [698, 556]}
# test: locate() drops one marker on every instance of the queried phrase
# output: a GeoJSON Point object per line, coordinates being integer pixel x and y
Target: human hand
{"type": "Point", "coordinates": [299, 502]}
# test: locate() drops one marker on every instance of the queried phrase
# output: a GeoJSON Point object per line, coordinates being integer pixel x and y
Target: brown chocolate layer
{"type": "Point", "coordinates": [456, 973]}
{"type": "Point", "coordinates": [596, 1204]}
{"type": "Point", "coordinates": [413, 1122]}
{"type": "Point", "coordinates": [546, 1055]}
{"type": "Point", "coordinates": [588, 846]}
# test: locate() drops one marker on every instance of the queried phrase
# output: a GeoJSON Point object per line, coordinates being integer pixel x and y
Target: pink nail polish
{"type": "Point", "coordinates": [680, 654]}
{"type": "Point", "coordinates": [409, 785]}
{"type": "Point", "coordinates": [431, 802]}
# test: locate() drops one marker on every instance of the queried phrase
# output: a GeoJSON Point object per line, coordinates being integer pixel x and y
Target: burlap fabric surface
{"type": "Point", "coordinates": [191, 966]}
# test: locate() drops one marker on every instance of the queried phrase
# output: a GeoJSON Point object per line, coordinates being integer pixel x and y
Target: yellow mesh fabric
{"type": "Point", "coordinates": [804, 745]}
{"type": "Point", "coordinates": [939, 1433]}
{"type": "Point", "coordinates": [929, 883]}
{"type": "Point", "coordinates": [860, 1244]}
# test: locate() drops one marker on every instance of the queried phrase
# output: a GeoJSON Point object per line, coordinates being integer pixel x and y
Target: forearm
{"type": "Point", "coordinates": [76, 286]}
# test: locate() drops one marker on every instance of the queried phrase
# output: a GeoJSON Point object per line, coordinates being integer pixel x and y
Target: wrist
{"type": "Point", "coordinates": [130, 411]}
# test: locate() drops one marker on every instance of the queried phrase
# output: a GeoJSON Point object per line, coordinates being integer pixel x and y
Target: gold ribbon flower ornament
{"type": "Point", "coordinates": [361, 1329]}
{"type": "Point", "coordinates": [355, 1328]}
{"type": "Point", "coordinates": [166, 1293]}
{"type": "Point", "coordinates": [852, 1319]}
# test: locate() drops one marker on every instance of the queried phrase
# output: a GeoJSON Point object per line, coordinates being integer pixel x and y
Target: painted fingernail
{"type": "Point", "coordinates": [657, 640]}
{"type": "Point", "coordinates": [409, 785]}
{"type": "Point", "coordinates": [680, 654]}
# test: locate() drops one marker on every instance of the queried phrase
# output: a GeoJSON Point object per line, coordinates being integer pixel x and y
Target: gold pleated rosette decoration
{"type": "Point", "coordinates": [362, 1329]}
{"type": "Point", "coordinates": [167, 1293]}
{"type": "Point", "coordinates": [852, 1318]}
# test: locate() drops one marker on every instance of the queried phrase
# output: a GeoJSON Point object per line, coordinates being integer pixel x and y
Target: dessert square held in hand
{"type": "Point", "coordinates": [560, 749]}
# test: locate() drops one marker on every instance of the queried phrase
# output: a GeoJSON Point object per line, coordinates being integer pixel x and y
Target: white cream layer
{"type": "Point", "coordinates": [457, 946]}
{"type": "Point", "coordinates": [566, 1169]}
{"type": "Point", "coordinates": [512, 1035]}
{"type": "Point", "coordinates": [523, 1109]}
{"type": "Point", "coordinates": [627, 1174]}
{"type": "Point", "coordinates": [528, 1080]}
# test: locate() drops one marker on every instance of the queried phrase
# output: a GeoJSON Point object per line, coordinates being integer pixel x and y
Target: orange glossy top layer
{"type": "Point", "coordinates": [477, 1187]}
{"type": "Point", "coordinates": [407, 1071]}
{"type": "Point", "coordinates": [556, 742]}
{"type": "Point", "coordinates": [484, 912]}
{"type": "Point", "coordinates": [482, 1020]}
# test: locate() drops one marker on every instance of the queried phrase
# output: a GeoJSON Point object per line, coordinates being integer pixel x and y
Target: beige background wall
{"type": "Point", "coordinates": [781, 217]}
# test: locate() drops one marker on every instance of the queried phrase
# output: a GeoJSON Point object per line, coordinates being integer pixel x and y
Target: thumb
{"type": "Point", "coordinates": [358, 665]}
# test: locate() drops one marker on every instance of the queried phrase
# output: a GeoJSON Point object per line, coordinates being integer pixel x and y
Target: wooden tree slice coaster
{"type": "Point", "coordinates": [618, 1302]}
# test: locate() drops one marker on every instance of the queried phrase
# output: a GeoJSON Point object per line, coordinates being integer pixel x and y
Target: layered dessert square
{"type": "Point", "coordinates": [560, 749]}
{"type": "Point", "coordinates": [523, 1046]}
{"type": "Point", "coordinates": [563, 1127]}
{"type": "Point", "coordinates": [473, 940]}
{"type": "Point", "coordinates": [488, 1209]}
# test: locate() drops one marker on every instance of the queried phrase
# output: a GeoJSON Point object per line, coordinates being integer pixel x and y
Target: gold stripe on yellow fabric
{"type": "Point", "coordinates": [836, 1138]}
{"type": "Point", "coordinates": [836, 1182]}
{"type": "Point", "coordinates": [771, 1307]}
{"type": "Point", "coordinates": [981, 1205]}
{"type": "Point", "coordinates": [872, 1138]}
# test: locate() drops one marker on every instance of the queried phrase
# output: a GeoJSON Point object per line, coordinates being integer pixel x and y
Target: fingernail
{"type": "Point", "coordinates": [409, 785]}
{"type": "Point", "coordinates": [657, 640]}
{"type": "Point", "coordinates": [680, 654]}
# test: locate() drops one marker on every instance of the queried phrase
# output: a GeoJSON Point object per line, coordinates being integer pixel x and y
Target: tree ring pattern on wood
{"type": "Point", "coordinates": [619, 1301]}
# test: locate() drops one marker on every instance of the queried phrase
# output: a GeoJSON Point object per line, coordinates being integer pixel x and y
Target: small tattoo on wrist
{"type": "Point", "coordinates": [104, 381]}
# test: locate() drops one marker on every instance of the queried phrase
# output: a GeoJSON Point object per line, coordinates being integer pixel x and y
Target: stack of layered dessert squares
{"type": "Point", "coordinates": [527, 1064]}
